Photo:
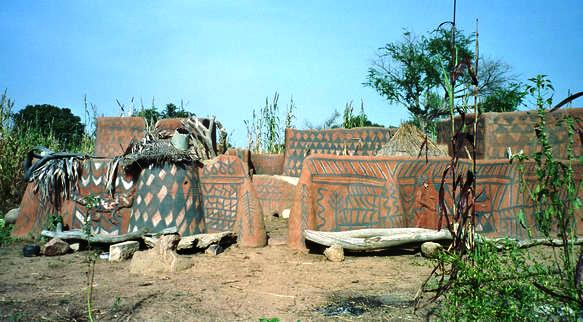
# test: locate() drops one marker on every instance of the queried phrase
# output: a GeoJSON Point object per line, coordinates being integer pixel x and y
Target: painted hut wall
{"type": "Point", "coordinates": [267, 163]}
{"type": "Point", "coordinates": [214, 198]}
{"type": "Point", "coordinates": [337, 193]}
{"type": "Point", "coordinates": [114, 134]}
{"type": "Point", "coordinates": [498, 131]}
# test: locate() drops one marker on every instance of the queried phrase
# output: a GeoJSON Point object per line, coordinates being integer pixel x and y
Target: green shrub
{"type": "Point", "coordinates": [5, 231]}
{"type": "Point", "coordinates": [493, 286]}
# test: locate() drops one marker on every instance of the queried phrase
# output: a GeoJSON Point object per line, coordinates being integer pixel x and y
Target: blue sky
{"type": "Point", "coordinates": [224, 58]}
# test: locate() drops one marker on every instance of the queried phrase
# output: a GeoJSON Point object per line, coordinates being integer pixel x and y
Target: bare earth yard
{"type": "Point", "coordinates": [239, 284]}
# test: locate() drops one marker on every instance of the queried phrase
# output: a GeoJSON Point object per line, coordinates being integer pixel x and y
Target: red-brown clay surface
{"type": "Point", "coordinates": [238, 285]}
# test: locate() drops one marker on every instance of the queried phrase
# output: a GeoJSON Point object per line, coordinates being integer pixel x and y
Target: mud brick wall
{"type": "Point", "coordinates": [168, 195]}
{"type": "Point", "coordinates": [265, 163]}
{"type": "Point", "coordinates": [244, 155]}
{"type": "Point", "coordinates": [275, 193]}
{"type": "Point", "coordinates": [498, 131]}
{"type": "Point", "coordinates": [214, 198]}
{"type": "Point", "coordinates": [337, 193]}
{"type": "Point", "coordinates": [359, 141]}
{"type": "Point", "coordinates": [230, 201]}
{"type": "Point", "coordinates": [114, 134]}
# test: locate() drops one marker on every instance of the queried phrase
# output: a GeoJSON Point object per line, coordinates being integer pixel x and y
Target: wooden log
{"type": "Point", "coordinates": [371, 239]}
{"type": "Point", "coordinates": [77, 234]}
{"type": "Point", "coordinates": [500, 242]}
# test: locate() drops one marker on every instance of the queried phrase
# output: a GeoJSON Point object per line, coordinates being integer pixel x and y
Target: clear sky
{"type": "Point", "coordinates": [224, 58]}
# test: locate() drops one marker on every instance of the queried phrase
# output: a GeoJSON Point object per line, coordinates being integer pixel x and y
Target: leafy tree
{"type": "Point", "coordinates": [173, 111]}
{"type": "Point", "coordinates": [410, 72]}
{"type": "Point", "coordinates": [51, 120]}
{"type": "Point", "coordinates": [351, 120]}
{"type": "Point", "coordinates": [151, 114]}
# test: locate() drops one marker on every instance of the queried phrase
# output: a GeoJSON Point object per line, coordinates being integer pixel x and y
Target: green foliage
{"type": "Point", "coordinates": [503, 99]}
{"type": "Point", "coordinates": [555, 192]}
{"type": "Point", "coordinates": [408, 72]}
{"type": "Point", "coordinates": [172, 111]}
{"type": "Point", "coordinates": [152, 115]}
{"type": "Point", "coordinates": [15, 143]}
{"type": "Point", "coordinates": [266, 131]}
{"type": "Point", "coordinates": [487, 283]}
{"type": "Point", "coordinates": [351, 120]}
{"type": "Point", "coordinates": [500, 286]}
{"type": "Point", "coordinates": [50, 120]}
{"type": "Point", "coordinates": [5, 233]}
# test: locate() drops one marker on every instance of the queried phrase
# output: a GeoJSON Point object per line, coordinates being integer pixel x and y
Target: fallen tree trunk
{"type": "Point", "coordinates": [380, 238]}
{"type": "Point", "coordinates": [77, 234]}
{"type": "Point", "coordinates": [371, 239]}
{"type": "Point", "coordinates": [501, 242]}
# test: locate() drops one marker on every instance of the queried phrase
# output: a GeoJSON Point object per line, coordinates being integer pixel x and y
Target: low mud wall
{"type": "Point", "coordinates": [275, 193]}
{"type": "Point", "coordinates": [216, 197]}
{"type": "Point", "coordinates": [265, 163]}
{"type": "Point", "coordinates": [337, 193]}
{"type": "Point", "coordinates": [358, 141]}
{"type": "Point", "coordinates": [516, 130]}
{"type": "Point", "coordinates": [114, 134]}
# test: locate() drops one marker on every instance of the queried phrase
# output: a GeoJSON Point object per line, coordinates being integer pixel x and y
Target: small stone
{"type": "Point", "coordinates": [11, 216]}
{"type": "Point", "coordinates": [334, 253]}
{"type": "Point", "coordinates": [214, 250]}
{"type": "Point", "coordinates": [430, 249]}
{"type": "Point", "coordinates": [55, 247]}
{"type": "Point", "coordinates": [285, 213]}
{"type": "Point", "coordinates": [122, 251]}
{"type": "Point", "coordinates": [75, 247]}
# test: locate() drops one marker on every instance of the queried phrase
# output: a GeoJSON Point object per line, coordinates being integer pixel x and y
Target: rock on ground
{"type": "Point", "coordinates": [430, 249]}
{"type": "Point", "coordinates": [214, 250]}
{"type": "Point", "coordinates": [334, 253]}
{"type": "Point", "coordinates": [75, 247]}
{"type": "Point", "coordinates": [122, 251]}
{"type": "Point", "coordinates": [160, 259]}
{"type": "Point", "coordinates": [55, 247]}
{"type": "Point", "coordinates": [11, 215]}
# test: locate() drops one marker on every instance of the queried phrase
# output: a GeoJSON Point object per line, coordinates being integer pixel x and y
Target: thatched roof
{"type": "Point", "coordinates": [407, 141]}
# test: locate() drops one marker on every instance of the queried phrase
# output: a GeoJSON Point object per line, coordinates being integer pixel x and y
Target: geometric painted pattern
{"type": "Point", "coordinates": [114, 134]}
{"type": "Point", "coordinates": [516, 130]}
{"type": "Point", "coordinates": [337, 193]}
{"type": "Point", "coordinates": [221, 182]}
{"type": "Point", "coordinates": [358, 141]}
{"type": "Point", "coordinates": [168, 195]}
{"type": "Point", "coordinates": [93, 182]}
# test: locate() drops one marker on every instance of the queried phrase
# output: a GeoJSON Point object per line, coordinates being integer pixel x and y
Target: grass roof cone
{"type": "Point", "coordinates": [407, 141]}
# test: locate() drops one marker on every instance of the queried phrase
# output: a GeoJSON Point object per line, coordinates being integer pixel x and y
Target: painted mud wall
{"type": "Point", "coordinates": [217, 197]}
{"type": "Point", "coordinates": [114, 134]}
{"type": "Point", "coordinates": [359, 141]}
{"type": "Point", "coordinates": [498, 131]}
{"type": "Point", "coordinates": [337, 193]}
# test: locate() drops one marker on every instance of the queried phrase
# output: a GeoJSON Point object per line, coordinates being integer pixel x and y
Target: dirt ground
{"type": "Point", "coordinates": [239, 284]}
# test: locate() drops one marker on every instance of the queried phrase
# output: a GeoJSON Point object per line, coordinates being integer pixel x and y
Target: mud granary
{"type": "Point", "coordinates": [328, 180]}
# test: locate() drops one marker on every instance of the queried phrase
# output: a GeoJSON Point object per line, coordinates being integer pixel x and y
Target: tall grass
{"type": "Point", "coordinates": [266, 129]}
{"type": "Point", "coordinates": [16, 143]}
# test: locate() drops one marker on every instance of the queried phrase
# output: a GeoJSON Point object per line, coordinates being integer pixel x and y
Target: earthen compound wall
{"type": "Point", "coordinates": [114, 134]}
{"type": "Point", "coordinates": [337, 193]}
{"type": "Point", "coordinates": [216, 197]}
{"type": "Point", "coordinates": [499, 131]}
{"type": "Point", "coordinates": [359, 141]}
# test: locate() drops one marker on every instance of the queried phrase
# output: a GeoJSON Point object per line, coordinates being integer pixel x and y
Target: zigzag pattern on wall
{"type": "Point", "coordinates": [359, 141]}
